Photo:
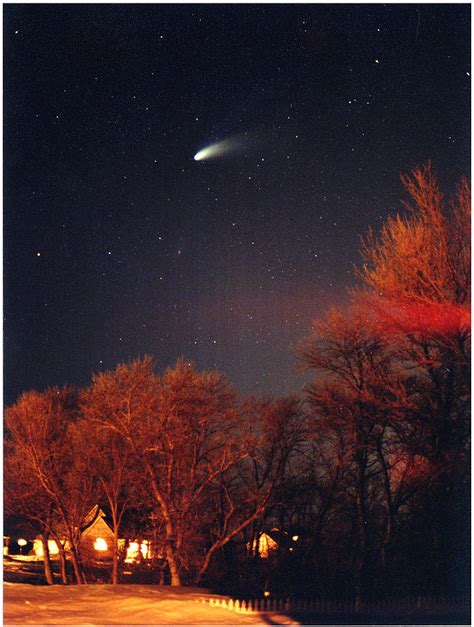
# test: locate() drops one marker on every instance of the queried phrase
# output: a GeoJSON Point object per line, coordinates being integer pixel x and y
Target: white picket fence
{"type": "Point", "coordinates": [388, 607]}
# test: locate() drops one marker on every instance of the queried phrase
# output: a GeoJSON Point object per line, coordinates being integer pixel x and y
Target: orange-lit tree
{"type": "Point", "coordinates": [113, 464]}
{"type": "Point", "coordinates": [185, 433]}
{"type": "Point", "coordinates": [416, 275]}
{"type": "Point", "coordinates": [22, 496]}
{"type": "Point", "coordinates": [39, 430]}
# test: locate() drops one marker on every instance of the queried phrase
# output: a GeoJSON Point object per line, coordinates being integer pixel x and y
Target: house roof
{"type": "Point", "coordinates": [96, 523]}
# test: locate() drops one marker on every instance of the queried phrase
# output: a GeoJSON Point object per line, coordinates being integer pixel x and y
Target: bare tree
{"type": "Point", "coordinates": [268, 436]}
{"type": "Point", "coordinates": [40, 428]}
{"type": "Point", "coordinates": [189, 439]}
{"type": "Point", "coordinates": [359, 398]}
{"type": "Point", "coordinates": [417, 272]}
{"type": "Point", "coordinates": [24, 497]}
{"type": "Point", "coordinates": [113, 464]}
{"type": "Point", "coordinates": [416, 275]}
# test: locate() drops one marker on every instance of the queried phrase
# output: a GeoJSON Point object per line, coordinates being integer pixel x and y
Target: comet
{"type": "Point", "coordinates": [230, 146]}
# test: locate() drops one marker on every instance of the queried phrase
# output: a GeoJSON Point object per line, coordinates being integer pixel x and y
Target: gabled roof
{"type": "Point", "coordinates": [95, 520]}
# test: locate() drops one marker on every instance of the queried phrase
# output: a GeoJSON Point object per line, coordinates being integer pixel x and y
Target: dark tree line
{"type": "Point", "coordinates": [369, 470]}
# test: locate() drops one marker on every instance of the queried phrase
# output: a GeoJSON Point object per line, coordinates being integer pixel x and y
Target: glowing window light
{"type": "Point", "coordinates": [295, 538]}
{"type": "Point", "coordinates": [144, 549]}
{"type": "Point", "coordinates": [38, 548]}
{"type": "Point", "coordinates": [262, 546]}
{"type": "Point", "coordinates": [53, 547]}
{"type": "Point", "coordinates": [22, 542]}
{"type": "Point", "coordinates": [100, 544]}
{"type": "Point", "coordinates": [133, 551]}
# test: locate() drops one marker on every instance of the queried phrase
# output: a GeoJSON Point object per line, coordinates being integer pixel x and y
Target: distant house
{"type": "Point", "coordinates": [262, 546]}
{"type": "Point", "coordinates": [268, 542]}
{"type": "Point", "coordinates": [97, 541]}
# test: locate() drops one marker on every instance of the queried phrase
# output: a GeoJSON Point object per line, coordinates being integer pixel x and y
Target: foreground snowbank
{"type": "Point", "coordinates": [116, 605]}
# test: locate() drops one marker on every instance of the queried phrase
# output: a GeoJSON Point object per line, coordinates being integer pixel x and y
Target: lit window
{"type": "Point", "coordinates": [144, 549]}
{"type": "Point", "coordinates": [133, 552]}
{"type": "Point", "coordinates": [100, 544]}
{"type": "Point", "coordinates": [136, 551]}
{"type": "Point", "coordinates": [53, 547]}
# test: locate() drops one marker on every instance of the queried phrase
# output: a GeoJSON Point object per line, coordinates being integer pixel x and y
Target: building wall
{"type": "Point", "coordinates": [97, 541]}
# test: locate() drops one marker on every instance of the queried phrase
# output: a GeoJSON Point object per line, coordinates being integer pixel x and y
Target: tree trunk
{"type": "Point", "coordinates": [48, 571]}
{"type": "Point", "coordinates": [174, 572]}
{"type": "Point", "coordinates": [76, 565]}
{"type": "Point", "coordinates": [390, 508]}
{"type": "Point", "coordinates": [115, 564]}
{"type": "Point", "coordinates": [169, 529]}
{"type": "Point", "coordinates": [62, 559]}
{"type": "Point", "coordinates": [362, 522]}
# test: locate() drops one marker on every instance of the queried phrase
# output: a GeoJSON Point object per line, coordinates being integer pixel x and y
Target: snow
{"type": "Point", "coordinates": [26, 604]}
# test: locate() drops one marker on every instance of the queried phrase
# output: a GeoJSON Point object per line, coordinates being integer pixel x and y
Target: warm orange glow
{"type": "Point", "coordinates": [53, 547]}
{"type": "Point", "coordinates": [38, 548]}
{"type": "Point", "coordinates": [100, 544]}
{"type": "Point", "coordinates": [22, 542]}
{"type": "Point", "coordinates": [409, 469]}
{"type": "Point", "coordinates": [262, 546]}
{"type": "Point", "coordinates": [295, 538]}
{"type": "Point", "coordinates": [135, 551]}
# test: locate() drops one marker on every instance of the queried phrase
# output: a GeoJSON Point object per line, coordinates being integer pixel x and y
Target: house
{"type": "Point", "coordinates": [97, 541]}
{"type": "Point", "coordinates": [262, 546]}
{"type": "Point", "coordinates": [97, 538]}
{"type": "Point", "coordinates": [267, 543]}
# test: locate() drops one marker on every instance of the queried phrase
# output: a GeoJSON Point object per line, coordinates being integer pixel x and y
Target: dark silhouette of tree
{"type": "Point", "coordinates": [391, 395]}
{"type": "Point", "coordinates": [359, 399]}
{"type": "Point", "coordinates": [417, 279]}
{"type": "Point", "coordinates": [269, 434]}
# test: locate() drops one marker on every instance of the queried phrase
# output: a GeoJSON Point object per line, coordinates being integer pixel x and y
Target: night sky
{"type": "Point", "coordinates": [117, 243]}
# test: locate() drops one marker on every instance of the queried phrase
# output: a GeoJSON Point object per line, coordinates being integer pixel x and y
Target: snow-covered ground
{"type": "Point", "coordinates": [25, 604]}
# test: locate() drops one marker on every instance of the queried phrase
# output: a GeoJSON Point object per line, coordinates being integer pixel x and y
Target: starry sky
{"type": "Point", "coordinates": [117, 243]}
